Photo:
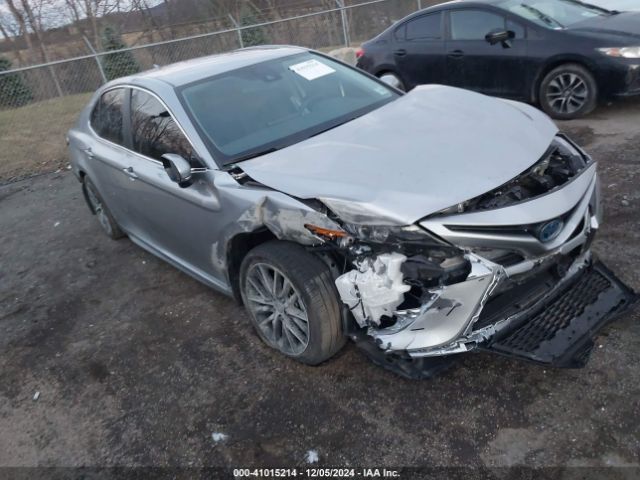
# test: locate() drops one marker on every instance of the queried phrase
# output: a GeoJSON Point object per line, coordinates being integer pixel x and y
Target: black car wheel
{"type": "Point", "coordinates": [292, 301]}
{"type": "Point", "coordinates": [392, 79]}
{"type": "Point", "coordinates": [568, 91]}
{"type": "Point", "coordinates": [100, 210]}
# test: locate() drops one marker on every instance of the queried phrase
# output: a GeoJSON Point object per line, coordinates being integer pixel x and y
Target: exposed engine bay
{"type": "Point", "coordinates": [558, 165]}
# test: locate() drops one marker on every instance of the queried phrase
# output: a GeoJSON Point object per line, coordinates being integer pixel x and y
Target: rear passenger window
{"type": "Point", "coordinates": [154, 131]}
{"type": "Point", "coordinates": [106, 117]}
{"type": "Point", "coordinates": [426, 27]}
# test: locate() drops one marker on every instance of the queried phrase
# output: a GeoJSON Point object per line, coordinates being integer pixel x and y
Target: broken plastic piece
{"type": "Point", "coordinates": [219, 437]}
{"type": "Point", "coordinates": [375, 289]}
{"type": "Point", "coordinates": [312, 456]}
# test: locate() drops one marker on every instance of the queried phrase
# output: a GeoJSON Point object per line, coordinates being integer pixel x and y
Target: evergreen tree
{"type": "Point", "coordinates": [13, 91]}
{"type": "Point", "coordinates": [118, 64]}
{"type": "Point", "coordinates": [252, 36]}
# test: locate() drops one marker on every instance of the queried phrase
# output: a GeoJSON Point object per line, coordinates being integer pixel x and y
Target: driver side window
{"type": "Point", "coordinates": [154, 132]}
{"type": "Point", "coordinates": [474, 24]}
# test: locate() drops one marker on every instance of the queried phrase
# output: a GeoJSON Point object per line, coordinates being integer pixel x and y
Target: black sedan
{"type": "Point", "coordinates": [564, 55]}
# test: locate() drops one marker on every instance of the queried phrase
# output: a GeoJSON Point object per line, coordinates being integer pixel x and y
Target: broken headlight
{"type": "Point", "coordinates": [381, 234]}
{"type": "Point", "coordinates": [429, 261]}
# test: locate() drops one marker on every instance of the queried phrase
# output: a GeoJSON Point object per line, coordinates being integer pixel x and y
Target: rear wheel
{"type": "Point", "coordinates": [392, 79]}
{"type": "Point", "coordinates": [568, 91]}
{"type": "Point", "coordinates": [100, 210]}
{"type": "Point", "coordinates": [292, 301]}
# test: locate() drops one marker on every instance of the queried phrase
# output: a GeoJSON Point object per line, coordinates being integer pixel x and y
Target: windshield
{"type": "Point", "coordinates": [253, 110]}
{"type": "Point", "coordinates": [553, 13]}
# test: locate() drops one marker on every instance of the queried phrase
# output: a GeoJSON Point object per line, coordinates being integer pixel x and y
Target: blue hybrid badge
{"type": "Point", "coordinates": [550, 230]}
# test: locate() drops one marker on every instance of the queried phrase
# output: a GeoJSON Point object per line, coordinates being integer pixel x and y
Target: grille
{"type": "Point", "coordinates": [558, 315]}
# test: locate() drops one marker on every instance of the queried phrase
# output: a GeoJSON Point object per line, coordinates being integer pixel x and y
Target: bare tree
{"type": "Point", "coordinates": [9, 32]}
{"type": "Point", "coordinates": [29, 21]}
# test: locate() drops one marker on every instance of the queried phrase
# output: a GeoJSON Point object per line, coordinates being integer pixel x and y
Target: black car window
{"type": "Point", "coordinates": [154, 132]}
{"type": "Point", "coordinates": [106, 117]}
{"type": "Point", "coordinates": [474, 24]}
{"type": "Point", "coordinates": [426, 27]}
{"type": "Point", "coordinates": [516, 28]}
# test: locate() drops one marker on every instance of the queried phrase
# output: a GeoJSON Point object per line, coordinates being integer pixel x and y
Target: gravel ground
{"type": "Point", "coordinates": [137, 364]}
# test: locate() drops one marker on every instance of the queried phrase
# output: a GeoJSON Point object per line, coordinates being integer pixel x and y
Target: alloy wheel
{"type": "Point", "coordinates": [567, 93]}
{"type": "Point", "coordinates": [278, 309]}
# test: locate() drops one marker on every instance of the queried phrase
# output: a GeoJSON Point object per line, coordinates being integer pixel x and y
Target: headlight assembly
{"type": "Point", "coordinates": [391, 234]}
{"type": "Point", "coordinates": [621, 52]}
{"type": "Point", "coordinates": [380, 235]}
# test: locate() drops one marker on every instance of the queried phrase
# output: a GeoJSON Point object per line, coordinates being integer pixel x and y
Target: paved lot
{"type": "Point", "coordinates": [137, 364]}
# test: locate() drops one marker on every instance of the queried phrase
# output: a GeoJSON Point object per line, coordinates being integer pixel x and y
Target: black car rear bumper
{"type": "Point", "coordinates": [559, 330]}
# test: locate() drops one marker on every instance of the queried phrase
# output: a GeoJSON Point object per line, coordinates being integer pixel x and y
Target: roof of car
{"type": "Point", "coordinates": [196, 69]}
{"type": "Point", "coordinates": [446, 6]}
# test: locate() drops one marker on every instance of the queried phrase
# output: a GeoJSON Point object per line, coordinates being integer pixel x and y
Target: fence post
{"type": "Point", "coordinates": [345, 23]}
{"type": "Point", "coordinates": [95, 56]}
{"type": "Point", "coordinates": [235, 24]}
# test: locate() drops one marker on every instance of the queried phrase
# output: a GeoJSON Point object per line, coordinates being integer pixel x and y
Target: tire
{"type": "Point", "coordinates": [392, 79]}
{"type": "Point", "coordinates": [312, 294]}
{"type": "Point", "coordinates": [568, 91]}
{"type": "Point", "coordinates": [100, 210]}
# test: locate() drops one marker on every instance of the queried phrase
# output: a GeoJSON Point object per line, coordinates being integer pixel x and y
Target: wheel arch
{"type": "Point", "coordinates": [238, 248]}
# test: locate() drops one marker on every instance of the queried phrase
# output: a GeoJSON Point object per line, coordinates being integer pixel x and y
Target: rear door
{"type": "Point", "coordinates": [179, 222]}
{"type": "Point", "coordinates": [419, 50]}
{"type": "Point", "coordinates": [107, 156]}
{"type": "Point", "coordinates": [473, 63]}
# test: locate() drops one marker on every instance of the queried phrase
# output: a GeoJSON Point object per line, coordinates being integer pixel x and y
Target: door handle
{"type": "Point", "coordinates": [129, 172]}
{"type": "Point", "coordinates": [89, 153]}
{"type": "Point", "coordinates": [456, 54]}
{"type": "Point", "coordinates": [400, 53]}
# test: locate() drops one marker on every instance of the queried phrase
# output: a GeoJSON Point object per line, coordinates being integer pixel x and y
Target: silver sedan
{"type": "Point", "coordinates": [420, 225]}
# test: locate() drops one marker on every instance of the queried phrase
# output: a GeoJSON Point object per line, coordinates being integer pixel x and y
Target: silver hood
{"type": "Point", "coordinates": [430, 149]}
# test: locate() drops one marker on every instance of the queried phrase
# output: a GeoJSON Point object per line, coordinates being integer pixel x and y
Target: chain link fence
{"type": "Point", "coordinates": [39, 103]}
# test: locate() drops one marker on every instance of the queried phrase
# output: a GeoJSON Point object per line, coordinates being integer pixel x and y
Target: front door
{"type": "Point", "coordinates": [473, 63]}
{"type": "Point", "coordinates": [178, 222]}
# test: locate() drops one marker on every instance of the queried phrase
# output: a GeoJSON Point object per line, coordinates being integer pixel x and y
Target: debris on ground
{"type": "Point", "coordinates": [219, 437]}
{"type": "Point", "coordinates": [36, 396]}
{"type": "Point", "coordinates": [312, 456]}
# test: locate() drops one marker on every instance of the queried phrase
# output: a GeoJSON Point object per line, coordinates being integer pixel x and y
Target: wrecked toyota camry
{"type": "Point", "coordinates": [421, 225]}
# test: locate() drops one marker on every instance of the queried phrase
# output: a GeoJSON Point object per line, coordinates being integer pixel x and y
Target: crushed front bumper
{"type": "Point", "coordinates": [558, 330]}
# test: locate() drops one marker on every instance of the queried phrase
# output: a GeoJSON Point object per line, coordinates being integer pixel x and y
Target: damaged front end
{"type": "Point", "coordinates": [485, 280]}
{"type": "Point", "coordinates": [414, 296]}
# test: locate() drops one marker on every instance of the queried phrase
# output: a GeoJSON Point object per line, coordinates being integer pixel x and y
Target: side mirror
{"type": "Point", "coordinates": [178, 169]}
{"type": "Point", "coordinates": [500, 36]}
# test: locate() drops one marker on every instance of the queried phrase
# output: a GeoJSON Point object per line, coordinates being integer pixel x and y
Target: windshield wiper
{"type": "Point", "coordinates": [259, 153]}
{"type": "Point", "coordinates": [333, 126]}
{"type": "Point", "coordinates": [542, 16]}
{"type": "Point", "coordinates": [593, 7]}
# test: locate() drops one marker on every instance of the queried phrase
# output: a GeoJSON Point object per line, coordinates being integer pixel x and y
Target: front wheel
{"type": "Point", "coordinates": [292, 301]}
{"type": "Point", "coordinates": [568, 91]}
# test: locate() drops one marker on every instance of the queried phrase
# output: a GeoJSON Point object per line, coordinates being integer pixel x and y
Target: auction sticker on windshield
{"type": "Point", "coordinates": [311, 69]}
